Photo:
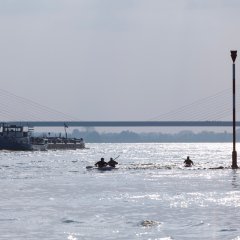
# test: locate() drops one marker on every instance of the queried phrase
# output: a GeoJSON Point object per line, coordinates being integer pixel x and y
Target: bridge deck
{"type": "Point", "coordinates": [126, 123]}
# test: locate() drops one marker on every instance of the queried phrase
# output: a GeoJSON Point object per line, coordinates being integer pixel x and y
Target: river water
{"type": "Point", "coordinates": [51, 195]}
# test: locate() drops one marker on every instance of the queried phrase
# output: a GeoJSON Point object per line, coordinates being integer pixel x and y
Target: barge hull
{"type": "Point", "coordinates": [63, 146]}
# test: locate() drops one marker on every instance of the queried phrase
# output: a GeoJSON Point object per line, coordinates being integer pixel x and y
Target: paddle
{"type": "Point", "coordinates": [116, 157]}
{"type": "Point", "coordinates": [89, 167]}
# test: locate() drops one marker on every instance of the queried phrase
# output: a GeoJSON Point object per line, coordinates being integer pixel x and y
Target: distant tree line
{"type": "Point", "coordinates": [130, 137]}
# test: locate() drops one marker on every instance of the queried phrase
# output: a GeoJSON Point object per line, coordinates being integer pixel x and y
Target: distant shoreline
{"type": "Point", "coordinates": [185, 136]}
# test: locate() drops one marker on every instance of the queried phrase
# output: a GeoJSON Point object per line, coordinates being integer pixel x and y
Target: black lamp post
{"type": "Point", "coordinates": [234, 152]}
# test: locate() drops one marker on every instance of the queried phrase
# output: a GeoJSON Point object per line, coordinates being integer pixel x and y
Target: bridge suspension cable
{"type": "Point", "coordinates": [16, 108]}
{"type": "Point", "coordinates": [212, 108]}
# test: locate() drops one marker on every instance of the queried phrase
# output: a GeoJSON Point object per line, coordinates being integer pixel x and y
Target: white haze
{"type": "Point", "coordinates": [117, 60]}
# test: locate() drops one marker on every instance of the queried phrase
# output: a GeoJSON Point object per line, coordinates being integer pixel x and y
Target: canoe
{"type": "Point", "coordinates": [107, 168]}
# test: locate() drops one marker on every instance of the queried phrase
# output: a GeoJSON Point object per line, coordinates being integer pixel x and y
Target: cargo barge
{"type": "Point", "coordinates": [20, 138]}
{"type": "Point", "coordinates": [59, 143]}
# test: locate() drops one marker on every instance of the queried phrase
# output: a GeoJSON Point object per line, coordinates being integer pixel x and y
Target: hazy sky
{"type": "Point", "coordinates": [117, 59]}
